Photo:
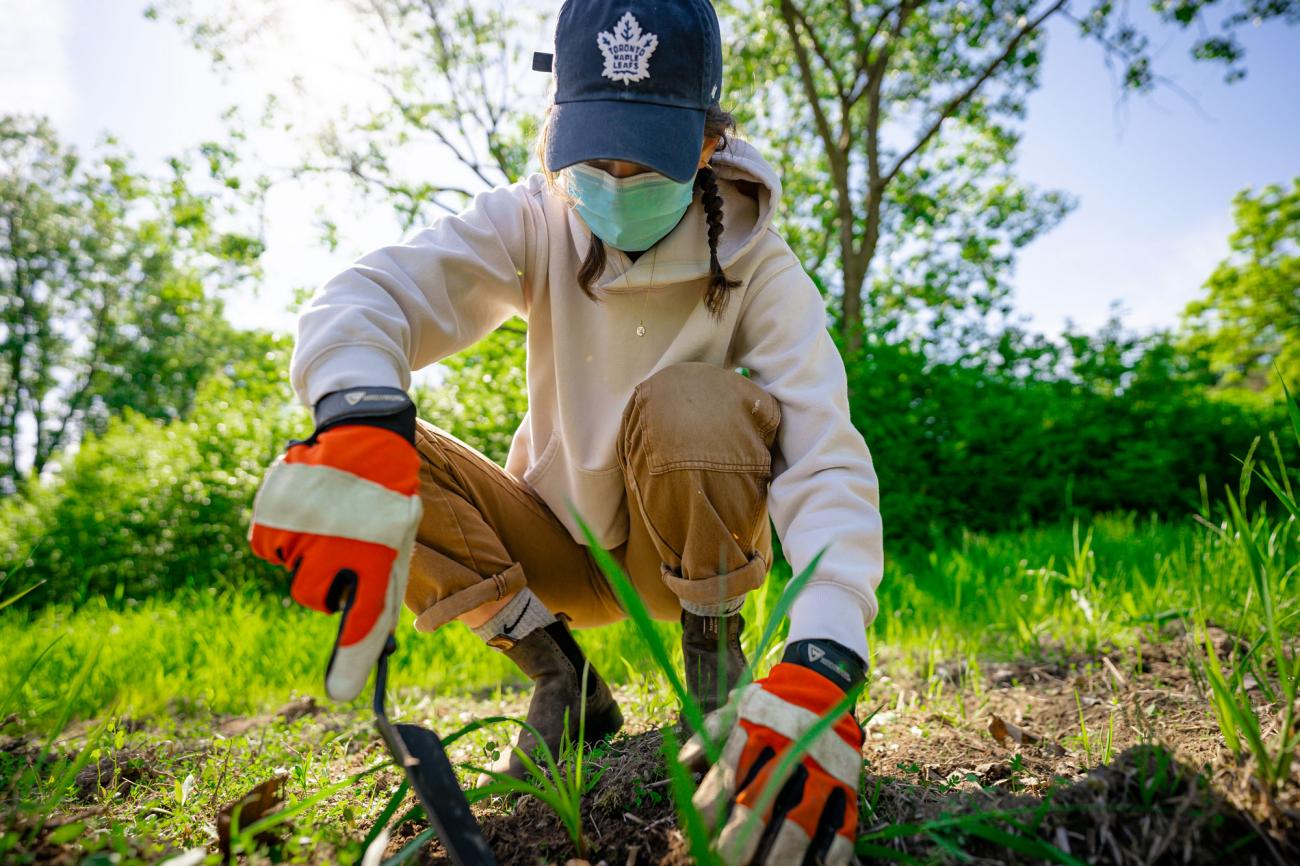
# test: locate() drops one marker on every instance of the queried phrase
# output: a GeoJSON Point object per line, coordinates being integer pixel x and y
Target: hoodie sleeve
{"type": "Point", "coordinates": [824, 492]}
{"type": "Point", "coordinates": [404, 306]}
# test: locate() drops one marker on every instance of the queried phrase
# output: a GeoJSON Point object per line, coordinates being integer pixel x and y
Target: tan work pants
{"type": "Point", "coordinates": [695, 447]}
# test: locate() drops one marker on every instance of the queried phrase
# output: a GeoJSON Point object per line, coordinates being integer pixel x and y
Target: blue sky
{"type": "Point", "coordinates": [1154, 175]}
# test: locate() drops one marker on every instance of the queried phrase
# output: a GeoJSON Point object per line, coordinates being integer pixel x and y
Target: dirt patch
{"type": "Point", "coordinates": [112, 774]}
{"type": "Point", "coordinates": [1118, 762]}
{"type": "Point", "coordinates": [302, 706]}
{"type": "Point", "coordinates": [627, 816]}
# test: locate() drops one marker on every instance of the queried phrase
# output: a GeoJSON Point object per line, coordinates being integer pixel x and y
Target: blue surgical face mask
{"type": "Point", "coordinates": [628, 213]}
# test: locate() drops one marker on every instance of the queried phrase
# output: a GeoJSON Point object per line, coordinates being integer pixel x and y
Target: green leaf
{"type": "Point", "coordinates": [66, 833]}
{"type": "Point", "coordinates": [1028, 846]}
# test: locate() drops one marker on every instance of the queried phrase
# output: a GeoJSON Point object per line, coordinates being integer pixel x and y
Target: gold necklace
{"type": "Point", "coordinates": [640, 327]}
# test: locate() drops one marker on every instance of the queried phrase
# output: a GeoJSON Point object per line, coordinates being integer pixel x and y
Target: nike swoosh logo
{"type": "Point", "coordinates": [510, 628]}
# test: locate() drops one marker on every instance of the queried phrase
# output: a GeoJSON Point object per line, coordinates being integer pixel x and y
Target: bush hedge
{"type": "Point", "coordinates": [150, 506]}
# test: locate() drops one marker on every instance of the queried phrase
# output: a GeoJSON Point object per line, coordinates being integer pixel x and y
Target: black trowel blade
{"type": "Point", "coordinates": [435, 785]}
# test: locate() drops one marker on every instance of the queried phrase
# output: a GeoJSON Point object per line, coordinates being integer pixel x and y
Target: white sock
{"type": "Point", "coordinates": [521, 616]}
{"type": "Point", "coordinates": [730, 607]}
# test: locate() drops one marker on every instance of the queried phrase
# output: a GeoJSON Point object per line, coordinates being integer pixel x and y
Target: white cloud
{"type": "Point", "coordinates": [35, 71]}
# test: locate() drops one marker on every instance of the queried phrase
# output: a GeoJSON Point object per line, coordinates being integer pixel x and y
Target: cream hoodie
{"type": "Point", "coordinates": [516, 251]}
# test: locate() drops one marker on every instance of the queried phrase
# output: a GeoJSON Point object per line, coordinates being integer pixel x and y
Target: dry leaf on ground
{"type": "Point", "coordinates": [257, 803]}
{"type": "Point", "coordinates": [1002, 730]}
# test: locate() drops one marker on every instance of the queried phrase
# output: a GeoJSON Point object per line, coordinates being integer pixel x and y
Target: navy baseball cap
{"type": "Point", "coordinates": [633, 80]}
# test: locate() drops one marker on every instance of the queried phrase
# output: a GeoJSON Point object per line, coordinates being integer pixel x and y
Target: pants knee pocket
{"type": "Point", "coordinates": [700, 416]}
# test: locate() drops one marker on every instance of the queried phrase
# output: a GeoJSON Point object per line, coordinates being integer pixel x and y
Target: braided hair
{"type": "Point", "coordinates": [717, 123]}
{"type": "Point", "coordinates": [715, 297]}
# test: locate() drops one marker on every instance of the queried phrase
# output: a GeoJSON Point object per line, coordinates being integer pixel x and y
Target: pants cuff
{"type": "Point", "coordinates": [720, 590]}
{"type": "Point", "coordinates": [493, 588]}
{"type": "Point", "coordinates": [725, 608]}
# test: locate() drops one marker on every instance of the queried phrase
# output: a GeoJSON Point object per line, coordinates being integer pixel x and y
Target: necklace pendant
{"type": "Point", "coordinates": [640, 330]}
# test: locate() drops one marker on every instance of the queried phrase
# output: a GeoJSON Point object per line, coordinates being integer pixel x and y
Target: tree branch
{"type": "Point", "coordinates": [46, 449]}
{"type": "Point", "coordinates": [864, 46]}
{"type": "Point", "coordinates": [961, 98]}
{"type": "Point", "coordinates": [839, 164]}
{"type": "Point", "coordinates": [354, 170]}
{"type": "Point", "coordinates": [819, 49]}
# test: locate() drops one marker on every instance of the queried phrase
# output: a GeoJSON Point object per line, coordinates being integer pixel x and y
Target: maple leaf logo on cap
{"type": "Point", "coordinates": [627, 51]}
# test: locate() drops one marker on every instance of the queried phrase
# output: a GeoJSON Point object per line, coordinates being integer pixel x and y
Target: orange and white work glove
{"type": "Point", "coordinates": [340, 512]}
{"type": "Point", "coordinates": [814, 816]}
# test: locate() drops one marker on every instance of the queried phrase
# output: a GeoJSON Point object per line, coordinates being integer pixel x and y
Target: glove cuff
{"type": "Point", "coordinates": [387, 408]}
{"type": "Point", "coordinates": [833, 660]}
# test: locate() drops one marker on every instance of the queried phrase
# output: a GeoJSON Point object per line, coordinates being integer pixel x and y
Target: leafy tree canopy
{"type": "Point", "coordinates": [1248, 322]}
{"type": "Point", "coordinates": [896, 126]}
{"type": "Point", "coordinates": [108, 282]}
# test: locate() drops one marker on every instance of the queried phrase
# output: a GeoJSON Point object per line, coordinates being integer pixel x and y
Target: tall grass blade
{"type": "Point", "coordinates": [385, 816]}
{"type": "Point", "coordinates": [682, 788]}
{"type": "Point", "coordinates": [13, 598]}
{"type": "Point", "coordinates": [16, 688]}
{"type": "Point", "coordinates": [1222, 696]}
{"type": "Point", "coordinates": [70, 702]}
{"type": "Point", "coordinates": [779, 612]}
{"type": "Point", "coordinates": [1283, 495]}
{"type": "Point", "coordinates": [561, 792]}
{"type": "Point", "coordinates": [1281, 465]}
{"type": "Point", "coordinates": [631, 602]}
{"type": "Point", "coordinates": [882, 852]}
{"type": "Point", "coordinates": [477, 724]}
{"type": "Point", "coordinates": [1030, 846]}
{"type": "Point", "coordinates": [939, 826]}
{"type": "Point", "coordinates": [68, 771]}
{"type": "Point", "coordinates": [1292, 410]}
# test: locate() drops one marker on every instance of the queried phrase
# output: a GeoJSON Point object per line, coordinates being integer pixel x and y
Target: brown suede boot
{"type": "Point", "coordinates": [552, 659]}
{"type": "Point", "coordinates": [714, 659]}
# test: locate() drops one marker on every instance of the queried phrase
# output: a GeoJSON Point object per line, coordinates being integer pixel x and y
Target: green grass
{"type": "Point", "coordinates": [989, 596]}
{"type": "Point", "coordinates": [1268, 553]}
{"type": "Point", "coordinates": [221, 652]}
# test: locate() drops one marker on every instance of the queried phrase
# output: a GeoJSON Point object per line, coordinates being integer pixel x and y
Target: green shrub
{"type": "Point", "coordinates": [148, 506]}
{"type": "Point", "coordinates": [482, 395]}
{"type": "Point", "coordinates": [958, 446]}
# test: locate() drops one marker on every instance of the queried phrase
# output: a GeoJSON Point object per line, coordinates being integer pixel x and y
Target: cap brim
{"type": "Point", "coordinates": [660, 137]}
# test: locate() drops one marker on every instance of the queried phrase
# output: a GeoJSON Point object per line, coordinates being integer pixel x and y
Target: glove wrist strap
{"type": "Point", "coordinates": [388, 408]}
{"type": "Point", "coordinates": [833, 660]}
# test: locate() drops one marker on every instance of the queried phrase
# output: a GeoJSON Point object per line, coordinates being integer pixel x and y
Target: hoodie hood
{"type": "Point", "coordinates": [750, 192]}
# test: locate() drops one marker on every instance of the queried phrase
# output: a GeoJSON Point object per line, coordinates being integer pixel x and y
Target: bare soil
{"type": "Point", "coordinates": [1151, 784]}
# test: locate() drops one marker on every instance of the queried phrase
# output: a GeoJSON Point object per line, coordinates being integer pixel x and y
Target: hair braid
{"type": "Point", "coordinates": [715, 298]}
